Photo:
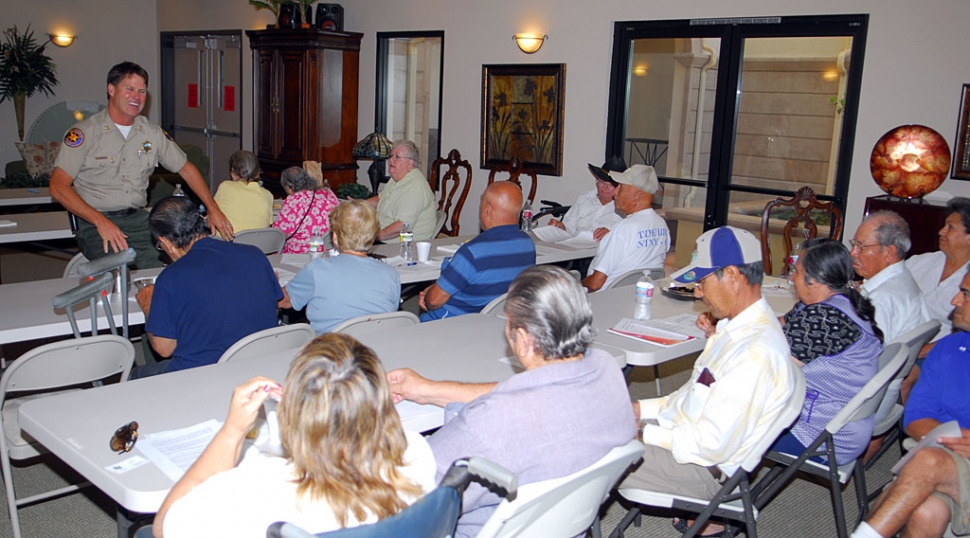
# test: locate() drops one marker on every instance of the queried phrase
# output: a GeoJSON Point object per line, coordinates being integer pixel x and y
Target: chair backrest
{"type": "Point", "coordinates": [865, 403]}
{"type": "Point", "coordinates": [69, 362]}
{"type": "Point", "coordinates": [440, 218]}
{"type": "Point", "coordinates": [71, 268]}
{"type": "Point", "coordinates": [496, 306]}
{"type": "Point", "coordinates": [915, 339]}
{"type": "Point", "coordinates": [97, 288]}
{"type": "Point", "coordinates": [562, 507]}
{"type": "Point", "coordinates": [269, 240]}
{"type": "Point", "coordinates": [515, 169]}
{"type": "Point", "coordinates": [369, 323]}
{"type": "Point", "coordinates": [803, 202]}
{"type": "Point", "coordinates": [457, 179]}
{"type": "Point", "coordinates": [270, 340]}
{"type": "Point", "coordinates": [630, 278]}
{"type": "Point", "coordinates": [785, 419]}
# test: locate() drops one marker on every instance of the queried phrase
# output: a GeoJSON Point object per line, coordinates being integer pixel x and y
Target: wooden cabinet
{"type": "Point", "coordinates": [305, 101]}
{"type": "Point", "coordinates": [924, 218]}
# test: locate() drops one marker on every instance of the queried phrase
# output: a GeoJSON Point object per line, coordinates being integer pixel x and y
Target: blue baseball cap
{"type": "Point", "coordinates": [719, 248]}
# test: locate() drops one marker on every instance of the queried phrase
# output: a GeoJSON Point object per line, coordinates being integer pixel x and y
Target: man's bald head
{"type": "Point", "coordinates": [501, 203]}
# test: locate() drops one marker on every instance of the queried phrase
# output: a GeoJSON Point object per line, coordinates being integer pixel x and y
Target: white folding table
{"type": "Point", "coordinates": [25, 196]}
{"type": "Point", "coordinates": [35, 227]}
{"type": "Point", "coordinates": [76, 426]}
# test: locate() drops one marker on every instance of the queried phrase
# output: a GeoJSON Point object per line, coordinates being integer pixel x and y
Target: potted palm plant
{"type": "Point", "coordinates": [24, 70]}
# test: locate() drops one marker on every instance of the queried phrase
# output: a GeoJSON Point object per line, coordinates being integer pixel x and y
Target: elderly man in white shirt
{"type": "Point", "coordinates": [879, 247]}
{"type": "Point", "coordinates": [594, 210]}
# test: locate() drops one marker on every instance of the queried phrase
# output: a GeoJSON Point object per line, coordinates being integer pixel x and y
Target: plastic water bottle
{"type": "Point", "coordinates": [644, 297]}
{"type": "Point", "coordinates": [796, 251]}
{"type": "Point", "coordinates": [407, 243]}
{"type": "Point", "coordinates": [178, 190]}
{"type": "Point", "coordinates": [525, 223]}
{"type": "Point", "coordinates": [316, 244]}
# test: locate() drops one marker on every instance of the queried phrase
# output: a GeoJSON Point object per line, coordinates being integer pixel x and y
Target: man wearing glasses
{"type": "Point", "coordinates": [594, 211]}
{"type": "Point", "coordinates": [407, 198]}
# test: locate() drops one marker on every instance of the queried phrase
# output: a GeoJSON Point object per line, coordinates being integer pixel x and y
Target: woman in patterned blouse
{"type": "Point", "coordinates": [306, 208]}
{"type": "Point", "coordinates": [833, 336]}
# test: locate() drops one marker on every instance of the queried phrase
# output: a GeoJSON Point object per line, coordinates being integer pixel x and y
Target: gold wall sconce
{"type": "Point", "coordinates": [61, 40]}
{"type": "Point", "coordinates": [529, 43]}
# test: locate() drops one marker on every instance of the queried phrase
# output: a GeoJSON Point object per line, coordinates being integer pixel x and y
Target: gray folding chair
{"type": "Point", "coordinates": [495, 307]}
{"type": "Point", "coordinates": [862, 405]}
{"type": "Point", "coordinates": [271, 340]}
{"type": "Point", "coordinates": [71, 268]}
{"type": "Point", "coordinates": [630, 278]}
{"type": "Point", "coordinates": [269, 240]}
{"type": "Point", "coordinates": [735, 500]}
{"type": "Point", "coordinates": [39, 372]}
{"type": "Point", "coordinates": [106, 264]}
{"type": "Point", "coordinates": [370, 323]}
{"type": "Point", "coordinates": [98, 287]}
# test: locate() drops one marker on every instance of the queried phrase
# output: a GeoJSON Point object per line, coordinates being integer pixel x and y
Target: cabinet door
{"type": "Point", "coordinates": [292, 93]}
{"type": "Point", "coordinates": [267, 104]}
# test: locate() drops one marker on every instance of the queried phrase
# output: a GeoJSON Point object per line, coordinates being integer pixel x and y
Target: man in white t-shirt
{"type": "Point", "coordinates": [641, 240]}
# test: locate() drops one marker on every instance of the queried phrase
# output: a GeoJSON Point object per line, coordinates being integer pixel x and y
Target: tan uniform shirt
{"type": "Point", "coordinates": [110, 172]}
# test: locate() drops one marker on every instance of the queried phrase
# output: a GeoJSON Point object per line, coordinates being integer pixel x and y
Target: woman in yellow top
{"type": "Point", "coordinates": [244, 201]}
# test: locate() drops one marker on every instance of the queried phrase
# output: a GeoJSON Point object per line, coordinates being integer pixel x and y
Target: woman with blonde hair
{"type": "Point", "coordinates": [348, 285]}
{"type": "Point", "coordinates": [244, 201]}
{"type": "Point", "coordinates": [346, 458]}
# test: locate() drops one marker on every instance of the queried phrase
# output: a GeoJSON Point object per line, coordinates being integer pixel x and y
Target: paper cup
{"type": "Point", "coordinates": [424, 251]}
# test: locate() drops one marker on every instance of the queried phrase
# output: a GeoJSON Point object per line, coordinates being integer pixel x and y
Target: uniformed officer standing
{"type": "Point", "coordinates": [107, 158]}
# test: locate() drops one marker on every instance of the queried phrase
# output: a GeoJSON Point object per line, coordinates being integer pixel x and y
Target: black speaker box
{"type": "Point", "coordinates": [330, 17]}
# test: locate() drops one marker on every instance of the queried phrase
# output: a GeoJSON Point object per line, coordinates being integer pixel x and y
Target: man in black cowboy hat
{"type": "Point", "coordinates": [594, 210]}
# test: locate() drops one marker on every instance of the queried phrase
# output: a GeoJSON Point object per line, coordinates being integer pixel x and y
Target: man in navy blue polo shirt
{"type": "Point", "coordinates": [483, 268]}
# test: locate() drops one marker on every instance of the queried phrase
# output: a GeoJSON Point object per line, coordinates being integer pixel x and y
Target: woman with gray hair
{"type": "Point", "coordinates": [244, 201]}
{"type": "Point", "coordinates": [306, 209]}
{"type": "Point", "coordinates": [406, 198]}
{"type": "Point", "coordinates": [348, 285]}
{"type": "Point", "coordinates": [567, 409]}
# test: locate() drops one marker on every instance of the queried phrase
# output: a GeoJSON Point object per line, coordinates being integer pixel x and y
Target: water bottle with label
{"type": "Point", "coordinates": [525, 221]}
{"type": "Point", "coordinates": [407, 242]}
{"type": "Point", "coordinates": [644, 297]}
{"type": "Point", "coordinates": [178, 190]}
{"type": "Point", "coordinates": [316, 244]}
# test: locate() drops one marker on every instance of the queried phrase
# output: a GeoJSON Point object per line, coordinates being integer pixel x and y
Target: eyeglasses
{"type": "Point", "coordinates": [124, 438]}
{"type": "Point", "coordinates": [398, 158]}
{"type": "Point", "coordinates": [862, 247]}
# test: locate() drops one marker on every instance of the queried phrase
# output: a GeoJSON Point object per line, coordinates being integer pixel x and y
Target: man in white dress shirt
{"type": "Point", "coordinates": [594, 210]}
{"type": "Point", "coordinates": [879, 247]}
{"type": "Point", "coordinates": [639, 241]}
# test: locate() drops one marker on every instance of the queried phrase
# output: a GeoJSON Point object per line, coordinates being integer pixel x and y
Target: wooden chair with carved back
{"type": "Point", "coordinates": [804, 204]}
{"type": "Point", "coordinates": [515, 169]}
{"type": "Point", "coordinates": [446, 186]}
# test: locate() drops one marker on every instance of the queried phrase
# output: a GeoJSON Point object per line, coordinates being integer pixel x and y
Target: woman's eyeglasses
{"type": "Point", "coordinates": [124, 438]}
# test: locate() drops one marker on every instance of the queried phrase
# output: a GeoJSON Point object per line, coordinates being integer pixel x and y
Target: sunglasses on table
{"type": "Point", "coordinates": [124, 438]}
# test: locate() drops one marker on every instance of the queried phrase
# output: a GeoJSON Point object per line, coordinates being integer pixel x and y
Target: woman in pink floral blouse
{"type": "Point", "coordinates": [306, 208]}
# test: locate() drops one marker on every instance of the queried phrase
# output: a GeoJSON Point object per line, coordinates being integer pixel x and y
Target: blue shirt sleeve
{"type": "Point", "coordinates": [458, 273]}
{"type": "Point", "coordinates": [162, 315]}
{"type": "Point", "coordinates": [301, 288]}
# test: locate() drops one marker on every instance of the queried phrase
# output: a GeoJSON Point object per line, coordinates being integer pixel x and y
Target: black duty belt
{"type": "Point", "coordinates": [120, 212]}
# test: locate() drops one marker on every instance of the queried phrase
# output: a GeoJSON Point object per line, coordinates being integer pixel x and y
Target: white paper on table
{"type": "Point", "coordinates": [174, 451]}
{"type": "Point", "coordinates": [581, 240]}
{"type": "Point", "coordinates": [655, 332]}
{"type": "Point", "coordinates": [450, 249]}
{"type": "Point", "coordinates": [419, 417]}
{"type": "Point", "coordinates": [7, 223]}
{"type": "Point", "coordinates": [681, 323]}
{"type": "Point", "coordinates": [947, 429]}
{"type": "Point", "coordinates": [551, 234]}
{"type": "Point", "coordinates": [284, 276]}
{"type": "Point", "coordinates": [296, 260]}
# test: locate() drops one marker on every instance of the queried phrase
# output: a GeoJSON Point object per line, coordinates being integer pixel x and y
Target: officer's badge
{"type": "Point", "coordinates": [146, 147]}
{"type": "Point", "coordinates": [168, 136]}
{"type": "Point", "coordinates": [74, 138]}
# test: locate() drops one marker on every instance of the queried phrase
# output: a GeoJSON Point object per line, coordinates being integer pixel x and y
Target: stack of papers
{"type": "Point", "coordinates": [174, 451]}
{"type": "Point", "coordinates": [284, 276]}
{"type": "Point", "coordinates": [662, 332]}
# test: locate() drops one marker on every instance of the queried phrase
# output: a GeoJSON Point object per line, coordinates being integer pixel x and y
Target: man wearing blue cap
{"type": "Point", "coordinates": [698, 435]}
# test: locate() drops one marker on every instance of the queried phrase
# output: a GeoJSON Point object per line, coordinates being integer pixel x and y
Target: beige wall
{"type": "Point", "coordinates": [110, 31]}
{"type": "Point", "coordinates": [913, 72]}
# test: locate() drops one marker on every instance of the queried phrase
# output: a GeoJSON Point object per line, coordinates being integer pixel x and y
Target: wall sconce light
{"type": "Point", "coordinates": [529, 43]}
{"type": "Point", "coordinates": [61, 40]}
{"type": "Point", "coordinates": [640, 70]}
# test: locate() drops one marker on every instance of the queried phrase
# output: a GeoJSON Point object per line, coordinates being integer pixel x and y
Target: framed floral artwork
{"type": "Point", "coordinates": [522, 116]}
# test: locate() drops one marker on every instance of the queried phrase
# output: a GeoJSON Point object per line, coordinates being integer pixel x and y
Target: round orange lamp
{"type": "Point", "coordinates": [910, 161]}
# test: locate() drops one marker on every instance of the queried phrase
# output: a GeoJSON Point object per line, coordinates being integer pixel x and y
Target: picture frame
{"type": "Point", "coordinates": [523, 108]}
{"type": "Point", "coordinates": [961, 153]}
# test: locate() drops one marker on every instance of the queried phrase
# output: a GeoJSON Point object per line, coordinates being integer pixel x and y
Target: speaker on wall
{"type": "Point", "coordinates": [330, 17]}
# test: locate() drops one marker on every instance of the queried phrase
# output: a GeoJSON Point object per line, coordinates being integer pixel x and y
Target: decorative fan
{"type": "Point", "coordinates": [910, 161]}
{"type": "Point", "coordinates": [52, 123]}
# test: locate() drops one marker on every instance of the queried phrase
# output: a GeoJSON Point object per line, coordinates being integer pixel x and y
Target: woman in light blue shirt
{"type": "Point", "coordinates": [350, 284]}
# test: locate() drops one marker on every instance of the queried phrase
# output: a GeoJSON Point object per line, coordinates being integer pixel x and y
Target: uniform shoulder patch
{"type": "Point", "coordinates": [74, 138]}
{"type": "Point", "coordinates": [168, 136]}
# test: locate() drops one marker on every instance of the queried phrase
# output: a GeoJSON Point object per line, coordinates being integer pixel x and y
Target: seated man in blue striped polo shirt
{"type": "Point", "coordinates": [483, 268]}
